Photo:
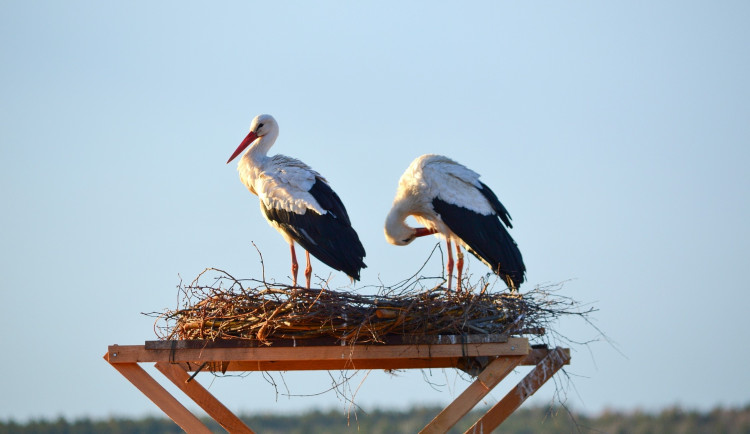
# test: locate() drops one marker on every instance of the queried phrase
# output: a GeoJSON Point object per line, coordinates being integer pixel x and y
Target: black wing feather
{"type": "Point", "coordinates": [486, 237]}
{"type": "Point", "coordinates": [329, 200]}
{"type": "Point", "coordinates": [329, 237]}
{"type": "Point", "coordinates": [495, 203]}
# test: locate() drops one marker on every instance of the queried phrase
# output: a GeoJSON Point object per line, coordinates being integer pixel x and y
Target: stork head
{"type": "Point", "coordinates": [262, 125]}
{"type": "Point", "coordinates": [399, 235]}
{"type": "Point", "coordinates": [397, 232]}
{"type": "Point", "coordinates": [402, 235]}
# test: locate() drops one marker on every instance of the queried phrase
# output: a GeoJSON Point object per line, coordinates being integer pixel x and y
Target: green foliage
{"type": "Point", "coordinates": [538, 420]}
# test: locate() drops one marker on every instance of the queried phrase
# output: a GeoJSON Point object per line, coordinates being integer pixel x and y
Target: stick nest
{"type": "Point", "coordinates": [217, 306]}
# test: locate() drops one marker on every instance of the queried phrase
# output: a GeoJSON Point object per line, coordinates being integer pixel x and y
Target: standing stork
{"type": "Point", "coordinates": [449, 200]}
{"type": "Point", "coordinates": [299, 203]}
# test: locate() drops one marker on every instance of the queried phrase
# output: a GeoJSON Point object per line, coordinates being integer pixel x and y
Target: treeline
{"type": "Point", "coordinates": [524, 421]}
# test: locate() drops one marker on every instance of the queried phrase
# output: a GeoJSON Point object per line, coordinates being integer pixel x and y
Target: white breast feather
{"type": "Point", "coordinates": [284, 183]}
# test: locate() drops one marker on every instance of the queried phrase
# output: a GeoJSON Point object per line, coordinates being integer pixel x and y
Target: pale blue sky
{"type": "Point", "coordinates": [616, 134]}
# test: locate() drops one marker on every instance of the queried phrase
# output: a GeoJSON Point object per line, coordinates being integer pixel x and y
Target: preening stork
{"type": "Point", "coordinates": [449, 200]}
{"type": "Point", "coordinates": [299, 203]}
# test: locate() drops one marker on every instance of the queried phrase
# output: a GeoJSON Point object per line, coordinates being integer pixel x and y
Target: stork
{"type": "Point", "coordinates": [298, 202]}
{"type": "Point", "coordinates": [449, 200]}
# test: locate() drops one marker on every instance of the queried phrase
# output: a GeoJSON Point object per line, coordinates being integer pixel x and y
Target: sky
{"type": "Point", "coordinates": [615, 133]}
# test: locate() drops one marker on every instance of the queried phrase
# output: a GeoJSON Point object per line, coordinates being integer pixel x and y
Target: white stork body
{"type": "Point", "coordinates": [449, 200]}
{"type": "Point", "coordinates": [299, 203]}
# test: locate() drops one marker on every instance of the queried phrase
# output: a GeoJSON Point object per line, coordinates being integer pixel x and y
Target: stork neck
{"type": "Point", "coordinates": [260, 147]}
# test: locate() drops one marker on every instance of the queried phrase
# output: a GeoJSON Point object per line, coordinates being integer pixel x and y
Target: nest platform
{"type": "Point", "coordinates": [491, 357]}
{"type": "Point", "coordinates": [230, 325]}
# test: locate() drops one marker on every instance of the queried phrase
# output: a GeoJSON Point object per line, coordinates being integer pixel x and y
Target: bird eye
{"type": "Point", "coordinates": [260, 125]}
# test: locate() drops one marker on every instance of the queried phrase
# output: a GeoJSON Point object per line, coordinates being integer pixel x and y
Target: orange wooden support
{"type": "Point", "coordinates": [530, 384]}
{"type": "Point", "coordinates": [161, 397]}
{"type": "Point", "coordinates": [175, 359]}
{"type": "Point", "coordinates": [323, 353]}
{"type": "Point", "coordinates": [485, 382]}
{"type": "Point", "coordinates": [203, 398]}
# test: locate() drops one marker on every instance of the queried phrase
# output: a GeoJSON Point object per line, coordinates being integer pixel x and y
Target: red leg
{"type": "Point", "coordinates": [308, 269]}
{"type": "Point", "coordinates": [459, 266]}
{"type": "Point", "coordinates": [449, 266]}
{"type": "Point", "coordinates": [295, 266]}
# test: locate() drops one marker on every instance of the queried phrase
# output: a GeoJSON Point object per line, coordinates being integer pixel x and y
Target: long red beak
{"type": "Point", "coordinates": [251, 136]}
{"type": "Point", "coordinates": [421, 232]}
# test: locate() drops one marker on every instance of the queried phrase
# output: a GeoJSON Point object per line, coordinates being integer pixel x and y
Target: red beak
{"type": "Point", "coordinates": [251, 136]}
{"type": "Point", "coordinates": [421, 232]}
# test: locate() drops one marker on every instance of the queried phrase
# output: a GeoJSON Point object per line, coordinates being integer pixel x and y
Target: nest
{"type": "Point", "coordinates": [217, 306]}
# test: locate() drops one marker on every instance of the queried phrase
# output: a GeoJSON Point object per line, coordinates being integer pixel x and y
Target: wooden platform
{"type": "Point", "coordinates": [490, 357]}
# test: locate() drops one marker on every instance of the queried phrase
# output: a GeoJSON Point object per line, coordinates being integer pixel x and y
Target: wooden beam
{"type": "Point", "coordinates": [325, 341]}
{"type": "Point", "coordinates": [530, 384]}
{"type": "Point", "coordinates": [338, 365]}
{"type": "Point", "coordinates": [203, 398]}
{"type": "Point", "coordinates": [485, 382]}
{"type": "Point", "coordinates": [138, 353]}
{"type": "Point", "coordinates": [161, 397]}
{"type": "Point", "coordinates": [531, 359]}
{"type": "Point", "coordinates": [536, 355]}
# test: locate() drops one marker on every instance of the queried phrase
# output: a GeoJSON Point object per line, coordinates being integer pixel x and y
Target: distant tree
{"type": "Point", "coordinates": [535, 420]}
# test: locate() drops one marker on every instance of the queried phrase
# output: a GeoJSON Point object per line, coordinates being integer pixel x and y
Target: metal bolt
{"type": "Point", "coordinates": [512, 347]}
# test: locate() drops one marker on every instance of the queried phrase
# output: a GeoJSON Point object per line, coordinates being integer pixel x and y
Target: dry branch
{"type": "Point", "coordinates": [218, 306]}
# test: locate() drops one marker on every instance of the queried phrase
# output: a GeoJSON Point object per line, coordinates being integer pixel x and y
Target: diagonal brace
{"type": "Point", "coordinates": [221, 414]}
{"type": "Point", "coordinates": [492, 375]}
{"type": "Point", "coordinates": [543, 371]}
{"type": "Point", "coordinates": [161, 397]}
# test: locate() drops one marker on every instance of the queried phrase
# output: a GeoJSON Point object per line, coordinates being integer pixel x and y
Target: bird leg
{"type": "Point", "coordinates": [295, 266]}
{"type": "Point", "coordinates": [459, 266]}
{"type": "Point", "coordinates": [308, 269]}
{"type": "Point", "coordinates": [449, 266]}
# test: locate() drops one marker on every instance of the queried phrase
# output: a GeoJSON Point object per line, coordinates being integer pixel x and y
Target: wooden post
{"type": "Point", "coordinates": [161, 397]}
{"type": "Point", "coordinates": [485, 382]}
{"type": "Point", "coordinates": [203, 398]}
{"type": "Point", "coordinates": [530, 384]}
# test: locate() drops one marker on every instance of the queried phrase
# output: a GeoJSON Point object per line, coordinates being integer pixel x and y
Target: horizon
{"type": "Point", "coordinates": [557, 409]}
